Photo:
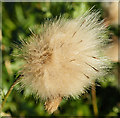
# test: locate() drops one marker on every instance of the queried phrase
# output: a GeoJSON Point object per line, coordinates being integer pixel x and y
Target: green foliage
{"type": "Point", "coordinates": [17, 18]}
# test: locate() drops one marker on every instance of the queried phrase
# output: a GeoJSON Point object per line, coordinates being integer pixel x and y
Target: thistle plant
{"type": "Point", "coordinates": [64, 59]}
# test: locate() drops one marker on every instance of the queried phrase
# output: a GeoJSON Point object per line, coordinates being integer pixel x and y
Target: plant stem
{"type": "Point", "coordinates": [94, 100]}
{"type": "Point", "coordinates": [9, 91]}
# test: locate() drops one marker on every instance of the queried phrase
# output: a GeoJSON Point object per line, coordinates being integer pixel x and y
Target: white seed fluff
{"type": "Point", "coordinates": [65, 58]}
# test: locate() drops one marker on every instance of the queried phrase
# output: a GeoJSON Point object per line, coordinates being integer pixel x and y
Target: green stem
{"type": "Point", "coordinates": [9, 91]}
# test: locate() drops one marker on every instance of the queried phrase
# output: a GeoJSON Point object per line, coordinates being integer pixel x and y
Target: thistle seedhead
{"type": "Point", "coordinates": [65, 58]}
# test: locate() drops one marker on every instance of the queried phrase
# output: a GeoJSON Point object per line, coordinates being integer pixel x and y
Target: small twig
{"type": "Point", "coordinates": [94, 100]}
{"type": "Point", "coordinates": [9, 91]}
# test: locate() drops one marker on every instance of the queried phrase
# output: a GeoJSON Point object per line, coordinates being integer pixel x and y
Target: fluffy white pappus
{"type": "Point", "coordinates": [65, 58]}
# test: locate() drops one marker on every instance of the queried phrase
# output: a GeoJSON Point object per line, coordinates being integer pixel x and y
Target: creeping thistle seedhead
{"type": "Point", "coordinates": [65, 58]}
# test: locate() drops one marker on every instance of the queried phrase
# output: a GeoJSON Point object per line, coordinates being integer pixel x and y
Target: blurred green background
{"type": "Point", "coordinates": [16, 19]}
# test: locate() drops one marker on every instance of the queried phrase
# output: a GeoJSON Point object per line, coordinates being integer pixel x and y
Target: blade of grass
{"type": "Point", "coordinates": [9, 91]}
{"type": "Point", "coordinates": [94, 100]}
